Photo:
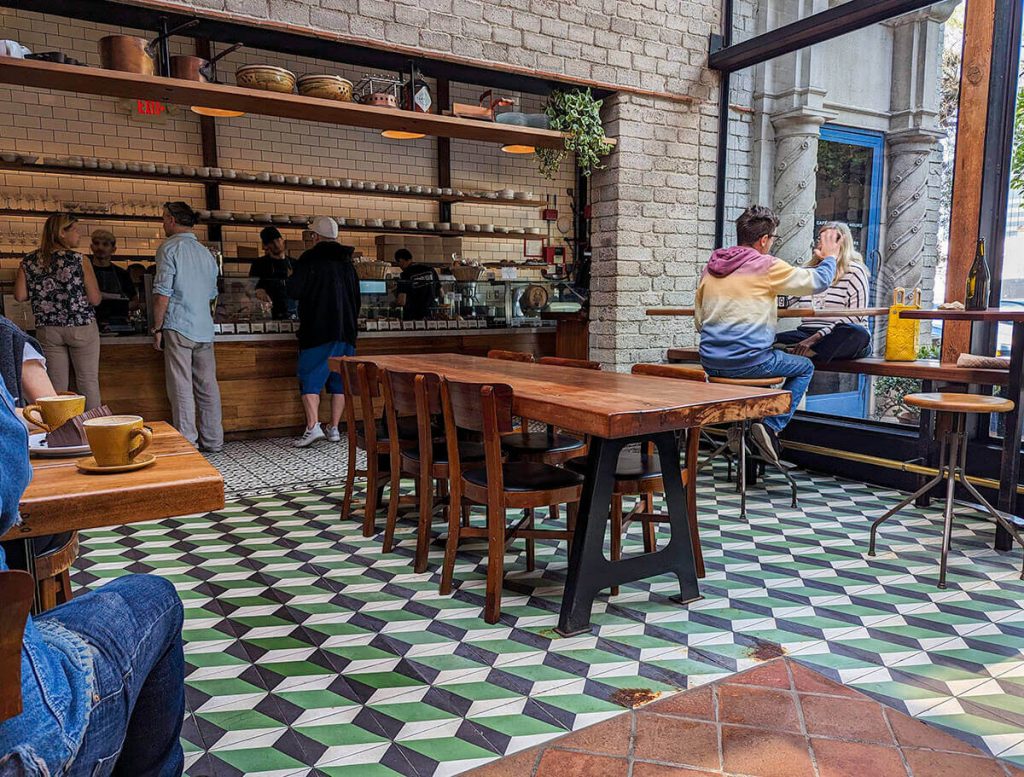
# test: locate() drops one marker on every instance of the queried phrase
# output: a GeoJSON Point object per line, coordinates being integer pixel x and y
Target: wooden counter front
{"type": "Point", "coordinates": [256, 373]}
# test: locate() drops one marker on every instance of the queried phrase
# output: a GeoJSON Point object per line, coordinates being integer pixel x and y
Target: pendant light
{"type": "Point", "coordinates": [516, 148]}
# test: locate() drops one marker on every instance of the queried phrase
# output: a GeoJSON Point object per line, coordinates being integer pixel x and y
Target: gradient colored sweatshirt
{"type": "Point", "coordinates": [737, 303]}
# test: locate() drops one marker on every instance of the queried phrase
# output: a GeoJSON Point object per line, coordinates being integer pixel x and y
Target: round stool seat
{"type": "Point", "coordinates": [757, 382]}
{"type": "Point", "coordinates": [945, 402]}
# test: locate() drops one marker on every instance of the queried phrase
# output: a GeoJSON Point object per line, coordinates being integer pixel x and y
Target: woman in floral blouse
{"type": "Point", "coordinates": [62, 288]}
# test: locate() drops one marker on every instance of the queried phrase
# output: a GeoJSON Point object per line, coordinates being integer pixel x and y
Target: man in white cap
{"type": "Point", "coordinates": [327, 288]}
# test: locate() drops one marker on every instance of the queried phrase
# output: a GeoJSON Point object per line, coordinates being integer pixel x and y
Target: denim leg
{"type": "Point", "coordinates": [798, 371]}
{"type": "Point", "coordinates": [133, 625]}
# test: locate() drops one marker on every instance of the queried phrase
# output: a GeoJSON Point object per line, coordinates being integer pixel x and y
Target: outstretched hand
{"type": "Point", "coordinates": [829, 242]}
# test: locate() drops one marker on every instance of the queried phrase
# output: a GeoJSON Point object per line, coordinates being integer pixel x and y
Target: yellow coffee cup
{"type": "Point", "coordinates": [115, 440]}
{"type": "Point", "coordinates": [50, 413]}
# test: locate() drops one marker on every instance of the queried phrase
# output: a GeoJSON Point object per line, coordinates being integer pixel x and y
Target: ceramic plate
{"type": "Point", "coordinates": [37, 447]}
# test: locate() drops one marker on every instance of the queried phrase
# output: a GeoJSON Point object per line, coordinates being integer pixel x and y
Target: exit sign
{"type": "Point", "coordinates": [149, 108]}
{"type": "Point", "coordinates": [147, 111]}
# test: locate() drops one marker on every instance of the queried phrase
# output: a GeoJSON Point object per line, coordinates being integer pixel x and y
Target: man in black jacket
{"type": "Point", "coordinates": [326, 286]}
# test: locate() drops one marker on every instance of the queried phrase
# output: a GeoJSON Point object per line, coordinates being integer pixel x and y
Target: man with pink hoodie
{"type": "Point", "coordinates": [737, 314]}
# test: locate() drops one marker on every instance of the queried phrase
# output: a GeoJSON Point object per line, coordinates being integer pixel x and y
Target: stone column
{"type": "Point", "coordinates": [795, 170]}
{"type": "Point", "coordinates": [908, 210]}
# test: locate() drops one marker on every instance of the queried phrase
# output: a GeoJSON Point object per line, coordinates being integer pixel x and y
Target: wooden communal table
{"type": "Point", "coordinates": [61, 498]}
{"type": "Point", "coordinates": [1009, 469]}
{"type": "Point", "coordinates": [616, 410]}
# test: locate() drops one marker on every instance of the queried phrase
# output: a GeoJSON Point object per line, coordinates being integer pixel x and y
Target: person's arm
{"type": "Point", "coordinates": [35, 382]}
{"type": "Point", "coordinates": [21, 285]}
{"type": "Point", "coordinates": [698, 301]}
{"type": "Point", "coordinates": [799, 281]}
{"type": "Point", "coordinates": [163, 289]}
{"type": "Point", "coordinates": [92, 286]}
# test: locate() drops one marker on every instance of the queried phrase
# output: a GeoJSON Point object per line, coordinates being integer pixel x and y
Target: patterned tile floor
{"type": "Point", "coordinates": [309, 652]}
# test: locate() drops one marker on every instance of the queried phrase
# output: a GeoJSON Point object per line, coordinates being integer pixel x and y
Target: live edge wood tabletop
{"type": "Point", "coordinates": [61, 498]}
{"type": "Point", "coordinates": [615, 410]}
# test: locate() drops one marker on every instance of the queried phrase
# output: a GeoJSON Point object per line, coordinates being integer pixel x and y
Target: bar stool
{"type": "Point", "coordinates": [744, 436]}
{"type": "Point", "coordinates": [953, 460]}
{"type": "Point", "coordinates": [53, 571]}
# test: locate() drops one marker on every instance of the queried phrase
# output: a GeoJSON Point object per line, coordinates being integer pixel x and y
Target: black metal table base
{"type": "Point", "coordinates": [590, 572]}
{"type": "Point", "coordinates": [1009, 469]}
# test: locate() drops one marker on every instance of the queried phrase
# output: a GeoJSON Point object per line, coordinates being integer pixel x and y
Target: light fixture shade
{"type": "Point", "coordinates": [401, 135]}
{"type": "Point", "coordinates": [515, 148]}
{"type": "Point", "coordinates": [220, 113]}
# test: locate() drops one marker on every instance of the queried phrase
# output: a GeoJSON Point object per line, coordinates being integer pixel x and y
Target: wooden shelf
{"type": "Point", "coordinates": [260, 224]}
{"type": "Point", "coordinates": [113, 83]}
{"type": "Point", "coordinates": [199, 180]}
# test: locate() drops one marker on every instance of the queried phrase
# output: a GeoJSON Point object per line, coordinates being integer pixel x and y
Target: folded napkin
{"type": "Point", "coordinates": [984, 362]}
{"type": "Point", "coordinates": [72, 431]}
{"type": "Point", "coordinates": [954, 305]}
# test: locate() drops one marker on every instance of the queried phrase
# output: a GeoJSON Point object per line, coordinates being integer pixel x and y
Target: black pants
{"type": "Point", "coordinates": [845, 341]}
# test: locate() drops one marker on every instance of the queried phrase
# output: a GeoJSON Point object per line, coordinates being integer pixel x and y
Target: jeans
{"type": "Point", "coordinates": [133, 627]}
{"type": "Point", "coordinates": [73, 347]}
{"type": "Point", "coordinates": [845, 341]}
{"type": "Point", "coordinates": [191, 375]}
{"type": "Point", "coordinates": [797, 370]}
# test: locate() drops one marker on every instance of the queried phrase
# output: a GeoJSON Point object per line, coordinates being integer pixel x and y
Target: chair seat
{"type": "Point", "coordinates": [540, 442]}
{"type": "Point", "coordinates": [408, 429]}
{"type": "Point", "coordinates": [950, 402]}
{"type": "Point", "coordinates": [754, 382]}
{"type": "Point", "coordinates": [632, 465]}
{"type": "Point", "coordinates": [522, 476]}
{"type": "Point", "coordinates": [468, 451]}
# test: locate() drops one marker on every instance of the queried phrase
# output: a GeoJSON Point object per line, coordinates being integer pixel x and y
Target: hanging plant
{"type": "Point", "coordinates": [578, 115]}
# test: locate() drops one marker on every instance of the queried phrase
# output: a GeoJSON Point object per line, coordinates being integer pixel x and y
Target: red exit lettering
{"type": "Point", "coordinates": [149, 107]}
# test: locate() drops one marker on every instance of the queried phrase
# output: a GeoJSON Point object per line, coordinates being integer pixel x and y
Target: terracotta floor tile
{"type": "Point", "coordinates": [517, 765]}
{"type": "Point", "coordinates": [845, 719]}
{"type": "Point", "coordinates": [659, 770]}
{"type": "Point", "coordinates": [565, 763]}
{"type": "Point", "coordinates": [610, 737]}
{"type": "Point", "coordinates": [809, 681]}
{"type": "Point", "coordinates": [772, 674]}
{"type": "Point", "coordinates": [695, 703]}
{"type": "Point", "coordinates": [917, 733]}
{"type": "Point", "coordinates": [675, 741]}
{"type": "Point", "coordinates": [766, 708]}
{"type": "Point", "coordinates": [843, 759]}
{"type": "Point", "coordinates": [765, 753]}
{"type": "Point", "coordinates": [928, 763]}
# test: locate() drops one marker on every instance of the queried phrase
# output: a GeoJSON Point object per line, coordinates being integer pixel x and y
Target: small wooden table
{"type": "Point", "coordinates": [1009, 468]}
{"type": "Point", "coordinates": [61, 498]}
{"type": "Point", "coordinates": [615, 409]}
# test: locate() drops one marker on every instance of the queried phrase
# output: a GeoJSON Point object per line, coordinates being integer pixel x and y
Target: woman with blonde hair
{"type": "Point", "coordinates": [846, 337]}
{"type": "Point", "coordinates": [61, 286]}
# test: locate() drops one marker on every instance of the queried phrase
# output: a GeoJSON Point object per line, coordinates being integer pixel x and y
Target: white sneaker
{"type": "Point", "coordinates": [309, 437]}
{"type": "Point", "coordinates": [331, 433]}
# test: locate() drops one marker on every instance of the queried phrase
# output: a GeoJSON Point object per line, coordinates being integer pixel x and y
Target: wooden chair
{"type": "Point", "coordinates": [366, 431]}
{"type": "Point", "coordinates": [417, 396]}
{"type": "Point", "coordinates": [16, 591]}
{"type": "Point", "coordinates": [510, 356]}
{"type": "Point", "coordinates": [499, 485]}
{"type": "Point", "coordinates": [53, 573]}
{"type": "Point", "coordinates": [580, 364]}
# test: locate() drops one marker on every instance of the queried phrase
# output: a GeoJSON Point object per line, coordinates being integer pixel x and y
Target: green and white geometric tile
{"type": "Point", "coordinates": [311, 652]}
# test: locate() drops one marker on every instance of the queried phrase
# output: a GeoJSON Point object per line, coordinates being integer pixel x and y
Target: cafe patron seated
{"type": "Point", "coordinates": [536, 390]}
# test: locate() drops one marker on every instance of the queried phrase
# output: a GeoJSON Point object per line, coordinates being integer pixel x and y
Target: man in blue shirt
{"type": "Point", "coordinates": [185, 284]}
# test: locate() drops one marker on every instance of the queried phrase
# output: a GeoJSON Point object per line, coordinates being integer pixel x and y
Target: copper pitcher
{"type": "Point", "coordinates": [131, 54]}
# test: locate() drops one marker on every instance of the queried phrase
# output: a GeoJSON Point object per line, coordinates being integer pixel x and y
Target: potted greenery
{"type": "Point", "coordinates": [578, 115]}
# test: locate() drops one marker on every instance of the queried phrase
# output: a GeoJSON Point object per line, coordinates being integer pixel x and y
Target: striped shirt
{"type": "Point", "coordinates": [850, 291]}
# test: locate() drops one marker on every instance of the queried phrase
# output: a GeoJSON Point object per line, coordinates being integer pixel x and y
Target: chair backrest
{"type": "Point", "coordinates": [478, 407]}
{"type": "Point", "coordinates": [362, 387]}
{"type": "Point", "coordinates": [580, 364]}
{"type": "Point", "coordinates": [679, 371]}
{"type": "Point", "coordinates": [16, 591]}
{"type": "Point", "coordinates": [412, 394]}
{"type": "Point", "coordinates": [510, 356]}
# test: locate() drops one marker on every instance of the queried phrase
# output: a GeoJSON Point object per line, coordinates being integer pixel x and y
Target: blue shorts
{"type": "Point", "coordinates": [314, 370]}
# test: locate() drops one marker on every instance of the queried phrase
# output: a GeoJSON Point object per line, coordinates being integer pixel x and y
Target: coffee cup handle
{"type": "Point", "coordinates": [34, 415]}
{"type": "Point", "coordinates": [146, 437]}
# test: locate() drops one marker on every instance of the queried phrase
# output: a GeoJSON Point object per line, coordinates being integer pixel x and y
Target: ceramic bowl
{"type": "Point", "coordinates": [265, 177]}
{"type": "Point", "coordinates": [118, 165]}
{"type": "Point", "coordinates": [326, 87]}
{"type": "Point", "coordinates": [90, 162]}
{"type": "Point", "coordinates": [216, 172]}
{"type": "Point", "coordinates": [392, 223]}
{"type": "Point", "coordinates": [28, 159]}
{"type": "Point", "coordinates": [424, 225]}
{"type": "Point", "coordinates": [229, 173]}
{"type": "Point", "coordinates": [105, 164]}
{"type": "Point", "coordinates": [301, 220]}
{"type": "Point", "coordinates": [134, 167]}
{"type": "Point", "coordinates": [334, 183]}
{"type": "Point", "coordinates": [161, 169]}
{"type": "Point", "coordinates": [292, 179]}
{"type": "Point", "coordinates": [277, 218]}
{"type": "Point", "coordinates": [267, 77]}
{"type": "Point", "coordinates": [444, 226]}
{"type": "Point", "coordinates": [407, 224]}
{"type": "Point", "coordinates": [221, 215]}
{"type": "Point", "coordinates": [263, 217]}
{"type": "Point", "coordinates": [306, 180]}
{"type": "Point", "coordinates": [9, 157]}
{"type": "Point", "coordinates": [175, 169]}
{"type": "Point", "coordinates": [374, 223]}
{"type": "Point", "coordinates": [276, 178]}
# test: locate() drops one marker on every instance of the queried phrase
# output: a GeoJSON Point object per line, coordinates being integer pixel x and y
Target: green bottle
{"type": "Point", "coordinates": [978, 280]}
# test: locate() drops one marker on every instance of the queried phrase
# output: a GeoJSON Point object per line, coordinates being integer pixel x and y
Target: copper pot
{"type": "Point", "coordinates": [196, 68]}
{"type": "Point", "coordinates": [382, 100]}
{"type": "Point", "coordinates": [131, 54]}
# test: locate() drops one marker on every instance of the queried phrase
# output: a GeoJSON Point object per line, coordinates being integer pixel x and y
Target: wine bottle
{"type": "Point", "coordinates": [978, 280]}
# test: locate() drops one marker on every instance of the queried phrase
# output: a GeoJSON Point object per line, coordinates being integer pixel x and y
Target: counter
{"type": "Point", "coordinates": [256, 373]}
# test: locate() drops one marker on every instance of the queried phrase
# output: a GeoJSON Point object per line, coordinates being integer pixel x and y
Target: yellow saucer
{"type": "Point", "coordinates": [89, 464]}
